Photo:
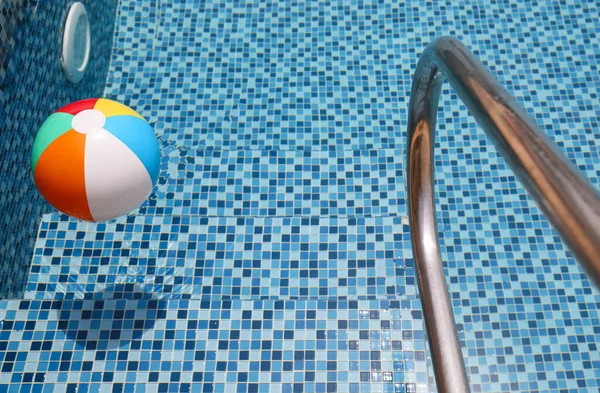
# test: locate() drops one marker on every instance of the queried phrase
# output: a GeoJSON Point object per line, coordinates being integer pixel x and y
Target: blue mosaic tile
{"type": "Point", "coordinates": [217, 73]}
{"type": "Point", "coordinates": [137, 25]}
{"type": "Point", "coordinates": [222, 258]}
{"type": "Point", "coordinates": [523, 304]}
{"type": "Point", "coordinates": [13, 15]}
{"type": "Point", "coordinates": [212, 346]}
{"type": "Point", "coordinates": [254, 183]}
{"type": "Point", "coordinates": [251, 75]}
{"type": "Point", "coordinates": [32, 86]}
{"type": "Point", "coordinates": [246, 92]}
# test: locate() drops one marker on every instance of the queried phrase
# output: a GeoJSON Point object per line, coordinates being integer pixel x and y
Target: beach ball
{"type": "Point", "coordinates": [95, 159]}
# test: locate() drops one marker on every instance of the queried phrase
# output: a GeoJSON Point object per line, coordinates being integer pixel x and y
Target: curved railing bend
{"type": "Point", "coordinates": [568, 200]}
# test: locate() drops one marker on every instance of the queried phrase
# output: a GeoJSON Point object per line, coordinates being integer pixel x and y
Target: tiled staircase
{"type": "Point", "coordinates": [274, 254]}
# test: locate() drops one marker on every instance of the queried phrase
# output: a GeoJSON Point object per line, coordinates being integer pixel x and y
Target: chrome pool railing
{"type": "Point", "coordinates": [566, 198]}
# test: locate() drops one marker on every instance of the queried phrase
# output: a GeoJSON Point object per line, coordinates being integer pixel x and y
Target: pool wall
{"type": "Point", "coordinates": [32, 86]}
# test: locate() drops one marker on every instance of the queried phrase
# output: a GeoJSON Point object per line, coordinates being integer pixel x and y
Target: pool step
{"type": "Point", "coordinates": [272, 183]}
{"type": "Point", "coordinates": [214, 76]}
{"type": "Point", "coordinates": [218, 346]}
{"type": "Point", "coordinates": [217, 258]}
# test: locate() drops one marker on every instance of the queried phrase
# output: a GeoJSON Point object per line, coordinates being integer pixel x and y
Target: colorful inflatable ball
{"type": "Point", "coordinates": [95, 159]}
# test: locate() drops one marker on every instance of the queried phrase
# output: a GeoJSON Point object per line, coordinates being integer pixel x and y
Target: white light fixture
{"type": "Point", "coordinates": [76, 43]}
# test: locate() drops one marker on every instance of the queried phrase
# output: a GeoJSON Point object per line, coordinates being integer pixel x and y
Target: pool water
{"type": "Point", "coordinates": [274, 254]}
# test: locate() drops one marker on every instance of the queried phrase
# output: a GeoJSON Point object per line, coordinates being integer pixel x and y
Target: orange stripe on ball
{"type": "Point", "coordinates": [60, 177]}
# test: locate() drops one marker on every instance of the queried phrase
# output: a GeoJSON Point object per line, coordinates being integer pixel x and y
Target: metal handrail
{"type": "Point", "coordinates": [566, 198]}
